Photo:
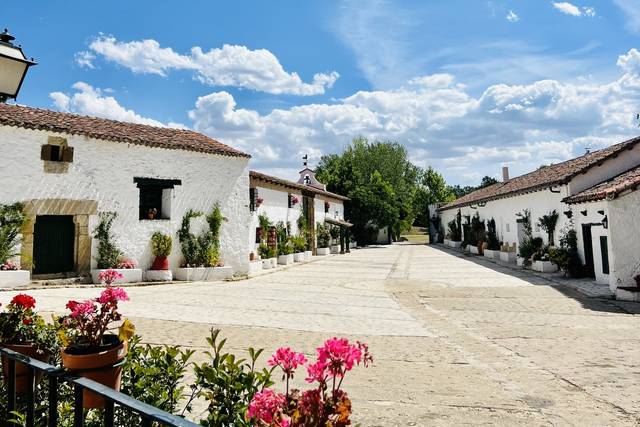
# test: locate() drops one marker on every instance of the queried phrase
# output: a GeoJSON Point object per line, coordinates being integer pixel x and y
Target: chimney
{"type": "Point", "coordinates": [505, 173]}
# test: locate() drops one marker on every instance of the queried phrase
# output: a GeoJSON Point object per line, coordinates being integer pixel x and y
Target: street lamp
{"type": "Point", "coordinates": [13, 67]}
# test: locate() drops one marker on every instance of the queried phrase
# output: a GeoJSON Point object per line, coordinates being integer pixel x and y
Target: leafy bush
{"type": "Point", "coordinates": [323, 236]}
{"type": "Point", "coordinates": [477, 230]}
{"type": "Point", "coordinates": [266, 252]}
{"type": "Point", "coordinates": [299, 243]}
{"type": "Point", "coordinates": [566, 256]}
{"type": "Point", "coordinates": [188, 241]}
{"type": "Point", "coordinates": [527, 246]}
{"type": "Point", "coordinates": [12, 219]}
{"type": "Point", "coordinates": [161, 244]}
{"type": "Point", "coordinates": [492, 237]}
{"type": "Point", "coordinates": [334, 232]}
{"type": "Point", "coordinates": [229, 383]}
{"type": "Point", "coordinates": [203, 250]}
{"type": "Point", "coordinates": [455, 233]}
{"type": "Point", "coordinates": [548, 224]}
{"type": "Point", "coordinates": [265, 224]}
{"type": "Point", "coordinates": [109, 256]}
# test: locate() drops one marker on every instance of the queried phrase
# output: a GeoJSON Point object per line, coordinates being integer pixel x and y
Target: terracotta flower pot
{"type": "Point", "coordinates": [160, 263]}
{"type": "Point", "coordinates": [31, 351]}
{"type": "Point", "coordinates": [103, 367]}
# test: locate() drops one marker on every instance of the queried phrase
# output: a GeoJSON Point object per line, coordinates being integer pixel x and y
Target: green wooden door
{"type": "Point", "coordinates": [53, 244]}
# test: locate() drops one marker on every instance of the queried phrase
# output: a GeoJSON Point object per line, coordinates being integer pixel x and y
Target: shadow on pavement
{"type": "Point", "coordinates": [594, 303]}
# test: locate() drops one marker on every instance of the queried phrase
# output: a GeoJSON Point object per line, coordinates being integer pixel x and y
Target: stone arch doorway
{"type": "Point", "coordinates": [52, 219]}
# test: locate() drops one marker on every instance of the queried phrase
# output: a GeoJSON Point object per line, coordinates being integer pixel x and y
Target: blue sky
{"type": "Point", "coordinates": [466, 85]}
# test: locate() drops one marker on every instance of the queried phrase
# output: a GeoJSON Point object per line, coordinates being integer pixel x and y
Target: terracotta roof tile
{"type": "Point", "coordinates": [293, 185]}
{"type": "Point", "coordinates": [543, 178]}
{"type": "Point", "coordinates": [112, 130]}
{"type": "Point", "coordinates": [610, 189]}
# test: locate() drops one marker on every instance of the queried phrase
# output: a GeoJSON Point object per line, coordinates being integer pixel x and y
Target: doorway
{"type": "Point", "coordinates": [587, 242]}
{"type": "Point", "coordinates": [53, 244]}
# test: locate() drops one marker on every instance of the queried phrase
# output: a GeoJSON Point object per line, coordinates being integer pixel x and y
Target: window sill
{"type": "Point", "coordinates": [155, 219]}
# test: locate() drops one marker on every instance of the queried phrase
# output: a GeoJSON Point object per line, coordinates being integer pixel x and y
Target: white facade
{"type": "Point", "coordinates": [618, 245]}
{"type": "Point", "coordinates": [103, 171]}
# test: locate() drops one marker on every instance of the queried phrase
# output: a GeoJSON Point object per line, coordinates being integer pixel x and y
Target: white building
{"type": "Point", "coordinates": [67, 169]}
{"type": "Point", "coordinates": [568, 188]}
{"type": "Point", "coordinates": [276, 198]}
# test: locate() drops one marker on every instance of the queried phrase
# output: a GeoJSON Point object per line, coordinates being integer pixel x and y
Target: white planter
{"type": "Point", "coordinates": [323, 251]}
{"type": "Point", "coordinates": [353, 245]}
{"type": "Point", "coordinates": [274, 262]}
{"type": "Point", "coordinates": [298, 257]}
{"type": "Point", "coordinates": [308, 255]}
{"type": "Point", "coordinates": [625, 295]}
{"type": "Point", "coordinates": [335, 249]}
{"type": "Point", "coordinates": [454, 244]}
{"type": "Point", "coordinates": [285, 259]}
{"type": "Point", "coordinates": [544, 266]}
{"type": "Point", "coordinates": [129, 275]}
{"type": "Point", "coordinates": [203, 274]}
{"type": "Point", "coordinates": [519, 261]}
{"type": "Point", "coordinates": [491, 254]}
{"type": "Point", "coordinates": [158, 275]}
{"type": "Point", "coordinates": [266, 264]}
{"type": "Point", "coordinates": [509, 257]}
{"type": "Point", "coordinates": [13, 278]}
{"type": "Point", "coordinates": [447, 242]}
{"type": "Point", "coordinates": [255, 266]}
{"type": "Point", "coordinates": [473, 249]}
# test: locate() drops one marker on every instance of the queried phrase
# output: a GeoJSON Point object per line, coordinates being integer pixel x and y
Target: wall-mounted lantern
{"type": "Point", "coordinates": [13, 67]}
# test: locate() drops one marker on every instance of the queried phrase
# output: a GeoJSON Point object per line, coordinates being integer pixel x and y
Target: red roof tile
{"type": "Point", "coordinates": [610, 189]}
{"type": "Point", "coordinates": [112, 130]}
{"type": "Point", "coordinates": [293, 185]}
{"type": "Point", "coordinates": [543, 178]}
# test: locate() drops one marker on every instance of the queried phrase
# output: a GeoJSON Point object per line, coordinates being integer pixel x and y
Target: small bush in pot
{"type": "Point", "coordinates": [323, 236]}
{"type": "Point", "coordinates": [109, 256]}
{"type": "Point", "coordinates": [25, 332]}
{"type": "Point", "coordinates": [89, 348]}
{"type": "Point", "coordinates": [299, 244]}
{"type": "Point", "coordinates": [161, 245]}
{"type": "Point", "coordinates": [12, 219]}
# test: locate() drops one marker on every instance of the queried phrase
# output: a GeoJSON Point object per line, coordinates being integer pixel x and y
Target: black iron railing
{"type": "Point", "coordinates": [55, 376]}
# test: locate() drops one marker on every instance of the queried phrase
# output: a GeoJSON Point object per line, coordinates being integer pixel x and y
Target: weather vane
{"type": "Point", "coordinates": [305, 160]}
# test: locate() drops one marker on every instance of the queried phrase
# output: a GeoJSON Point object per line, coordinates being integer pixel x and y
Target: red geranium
{"type": "Point", "coordinates": [25, 301]}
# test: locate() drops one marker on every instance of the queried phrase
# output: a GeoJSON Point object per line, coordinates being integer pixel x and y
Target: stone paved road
{"type": "Point", "coordinates": [457, 340]}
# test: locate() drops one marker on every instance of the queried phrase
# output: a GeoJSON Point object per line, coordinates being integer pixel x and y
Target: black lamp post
{"type": "Point", "coordinates": [13, 67]}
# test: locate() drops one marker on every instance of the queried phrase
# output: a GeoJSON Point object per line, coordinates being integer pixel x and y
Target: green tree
{"type": "Point", "coordinates": [381, 182]}
{"type": "Point", "coordinates": [432, 188]}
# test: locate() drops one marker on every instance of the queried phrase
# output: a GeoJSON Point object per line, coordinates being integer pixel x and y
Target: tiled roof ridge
{"type": "Point", "coordinates": [293, 184]}
{"type": "Point", "coordinates": [26, 117]}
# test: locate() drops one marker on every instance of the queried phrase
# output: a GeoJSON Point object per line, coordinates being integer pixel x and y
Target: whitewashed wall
{"type": "Point", "coordinates": [104, 171]}
{"type": "Point", "coordinates": [504, 212]}
{"type": "Point", "coordinates": [624, 229]}
{"type": "Point", "coordinates": [592, 217]}
{"type": "Point", "coordinates": [275, 205]}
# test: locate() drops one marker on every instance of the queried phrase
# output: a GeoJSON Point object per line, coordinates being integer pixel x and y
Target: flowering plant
{"type": "Point", "coordinates": [259, 201]}
{"type": "Point", "coordinates": [294, 200]}
{"type": "Point", "coordinates": [19, 324]}
{"type": "Point", "coordinates": [127, 264]}
{"type": "Point", "coordinates": [323, 405]}
{"type": "Point", "coordinates": [88, 321]}
{"type": "Point", "coordinates": [9, 266]}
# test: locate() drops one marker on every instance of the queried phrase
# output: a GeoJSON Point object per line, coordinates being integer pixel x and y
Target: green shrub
{"type": "Point", "coordinates": [109, 256]}
{"type": "Point", "coordinates": [188, 241]}
{"type": "Point", "coordinates": [12, 218]}
{"type": "Point", "coordinates": [548, 224]}
{"type": "Point", "coordinates": [455, 233]}
{"type": "Point", "coordinates": [334, 232]}
{"type": "Point", "coordinates": [299, 243]}
{"type": "Point", "coordinates": [161, 244]}
{"type": "Point", "coordinates": [228, 383]}
{"type": "Point", "coordinates": [492, 237]}
{"type": "Point", "coordinates": [322, 235]}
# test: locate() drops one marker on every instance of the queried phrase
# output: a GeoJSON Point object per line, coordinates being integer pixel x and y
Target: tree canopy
{"type": "Point", "coordinates": [385, 188]}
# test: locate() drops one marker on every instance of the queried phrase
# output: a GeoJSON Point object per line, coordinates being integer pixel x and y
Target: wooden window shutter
{"type": "Point", "coordinates": [45, 152]}
{"type": "Point", "coordinates": [252, 199]}
{"type": "Point", "coordinates": [67, 154]}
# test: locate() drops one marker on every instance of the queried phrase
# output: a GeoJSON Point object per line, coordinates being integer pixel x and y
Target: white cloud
{"type": "Point", "coordinates": [512, 16]}
{"type": "Point", "coordinates": [227, 66]}
{"type": "Point", "coordinates": [85, 59]}
{"type": "Point", "coordinates": [631, 9]}
{"type": "Point", "coordinates": [440, 123]}
{"type": "Point", "coordinates": [571, 9]}
{"type": "Point", "coordinates": [90, 101]}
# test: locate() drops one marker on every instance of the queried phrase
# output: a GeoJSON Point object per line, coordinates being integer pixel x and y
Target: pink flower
{"type": "Point", "coordinates": [109, 276]}
{"type": "Point", "coordinates": [79, 309]}
{"type": "Point", "coordinates": [265, 405]}
{"type": "Point", "coordinates": [339, 356]}
{"type": "Point", "coordinates": [287, 359]}
{"type": "Point", "coordinates": [128, 264]}
{"type": "Point", "coordinates": [113, 295]}
{"type": "Point", "coordinates": [317, 372]}
{"type": "Point", "coordinates": [9, 266]}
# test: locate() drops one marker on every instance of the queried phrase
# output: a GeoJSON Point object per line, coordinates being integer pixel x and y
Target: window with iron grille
{"type": "Point", "coordinates": [155, 197]}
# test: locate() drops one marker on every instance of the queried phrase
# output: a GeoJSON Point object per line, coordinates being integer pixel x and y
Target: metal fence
{"type": "Point", "coordinates": [55, 376]}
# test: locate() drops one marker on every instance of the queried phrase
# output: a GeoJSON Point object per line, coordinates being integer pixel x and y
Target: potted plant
{"type": "Point", "coordinates": [334, 232]}
{"type": "Point", "coordinates": [25, 332]}
{"type": "Point", "coordinates": [259, 201]}
{"type": "Point", "coordinates": [541, 261]}
{"type": "Point", "coordinates": [299, 246]}
{"type": "Point", "coordinates": [492, 249]}
{"type": "Point", "coordinates": [323, 238]}
{"type": "Point", "coordinates": [268, 255]}
{"type": "Point", "coordinates": [109, 256]}
{"type": "Point", "coordinates": [202, 261]}
{"type": "Point", "coordinates": [12, 219]}
{"type": "Point", "coordinates": [151, 213]}
{"type": "Point", "coordinates": [90, 351]}
{"type": "Point", "coordinates": [161, 245]}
